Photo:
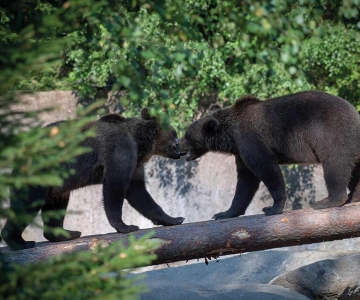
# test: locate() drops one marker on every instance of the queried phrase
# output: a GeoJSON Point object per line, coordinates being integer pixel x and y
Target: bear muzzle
{"type": "Point", "coordinates": [178, 149]}
{"type": "Point", "coordinates": [185, 150]}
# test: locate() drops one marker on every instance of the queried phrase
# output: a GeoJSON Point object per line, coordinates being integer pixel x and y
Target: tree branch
{"type": "Point", "coordinates": [223, 237]}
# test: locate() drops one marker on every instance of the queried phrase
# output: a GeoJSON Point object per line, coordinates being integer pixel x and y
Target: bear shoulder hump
{"type": "Point", "coordinates": [246, 101]}
{"type": "Point", "coordinates": [112, 118]}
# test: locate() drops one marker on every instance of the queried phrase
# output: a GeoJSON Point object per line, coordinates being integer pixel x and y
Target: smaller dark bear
{"type": "Point", "coordinates": [120, 149]}
{"type": "Point", "coordinates": [306, 127]}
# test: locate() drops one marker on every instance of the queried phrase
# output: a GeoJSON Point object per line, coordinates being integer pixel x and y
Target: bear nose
{"type": "Point", "coordinates": [177, 147]}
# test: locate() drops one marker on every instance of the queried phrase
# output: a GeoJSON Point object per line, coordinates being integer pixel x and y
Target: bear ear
{"type": "Point", "coordinates": [215, 107]}
{"type": "Point", "coordinates": [211, 125]}
{"type": "Point", "coordinates": [145, 114]}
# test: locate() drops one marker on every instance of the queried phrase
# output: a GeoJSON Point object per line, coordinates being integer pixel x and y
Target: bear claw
{"type": "Point", "coordinates": [180, 220]}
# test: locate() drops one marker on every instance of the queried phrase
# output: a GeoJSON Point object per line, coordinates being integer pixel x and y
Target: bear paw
{"type": "Point", "coordinates": [28, 245]}
{"type": "Point", "coordinates": [126, 228]}
{"type": "Point", "coordinates": [21, 245]}
{"type": "Point", "coordinates": [271, 210]}
{"type": "Point", "coordinates": [71, 235]}
{"type": "Point", "coordinates": [327, 203]}
{"type": "Point", "coordinates": [169, 221]}
{"type": "Point", "coordinates": [222, 215]}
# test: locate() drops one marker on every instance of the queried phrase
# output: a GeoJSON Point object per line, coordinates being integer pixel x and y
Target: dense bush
{"type": "Point", "coordinates": [83, 275]}
{"type": "Point", "coordinates": [183, 55]}
{"type": "Point", "coordinates": [332, 63]}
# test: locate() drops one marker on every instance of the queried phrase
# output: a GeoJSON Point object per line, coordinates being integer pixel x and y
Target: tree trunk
{"type": "Point", "coordinates": [223, 237]}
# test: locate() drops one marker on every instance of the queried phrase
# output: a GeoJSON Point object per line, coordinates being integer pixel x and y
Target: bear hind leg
{"type": "Point", "coordinates": [119, 167]}
{"type": "Point", "coordinates": [336, 179]}
{"type": "Point", "coordinates": [25, 205]}
{"type": "Point", "coordinates": [114, 194]}
{"type": "Point", "coordinates": [354, 185]}
{"type": "Point", "coordinates": [272, 178]}
{"type": "Point", "coordinates": [53, 215]}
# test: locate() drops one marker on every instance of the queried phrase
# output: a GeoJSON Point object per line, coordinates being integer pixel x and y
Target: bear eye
{"type": "Point", "coordinates": [173, 132]}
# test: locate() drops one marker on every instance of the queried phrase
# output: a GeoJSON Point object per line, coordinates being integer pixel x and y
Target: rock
{"type": "Point", "coordinates": [238, 277]}
{"type": "Point", "coordinates": [325, 279]}
{"type": "Point", "coordinates": [348, 244]}
{"type": "Point", "coordinates": [253, 267]}
{"type": "Point", "coordinates": [193, 291]}
{"type": "Point", "coordinates": [263, 266]}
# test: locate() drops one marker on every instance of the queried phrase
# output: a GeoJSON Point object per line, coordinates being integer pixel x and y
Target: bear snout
{"type": "Point", "coordinates": [182, 146]}
{"type": "Point", "coordinates": [178, 150]}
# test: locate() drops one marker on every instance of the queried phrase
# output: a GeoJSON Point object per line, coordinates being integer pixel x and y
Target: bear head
{"type": "Point", "coordinates": [215, 131]}
{"type": "Point", "coordinates": [200, 135]}
{"type": "Point", "coordinates": [167, 141]}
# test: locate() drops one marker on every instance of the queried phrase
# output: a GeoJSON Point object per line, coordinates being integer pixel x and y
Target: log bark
{"type": "Point", "coordinates": [216, 238]}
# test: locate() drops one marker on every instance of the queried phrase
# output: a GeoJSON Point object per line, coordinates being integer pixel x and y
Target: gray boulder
{"type": "Point", "coordinates": [176, 290]}
{"type": "Point", "coordinates": [325, 279]}
{"type": "Point", "coordinates": [238, 277]}
{"type": "Point", "coordinates": [254, 267]}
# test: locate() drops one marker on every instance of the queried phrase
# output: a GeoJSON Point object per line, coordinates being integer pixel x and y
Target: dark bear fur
{"type": "Point", "coordinates": [120, 149]}
{"type": "Point", "coordinates": [307, 127]}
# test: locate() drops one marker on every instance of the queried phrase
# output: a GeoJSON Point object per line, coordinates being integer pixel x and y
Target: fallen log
{"type": "Point", "coordinates": [216, 238]}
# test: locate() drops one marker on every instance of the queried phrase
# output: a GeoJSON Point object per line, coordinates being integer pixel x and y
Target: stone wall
{"type": "Point", "coordinates": [195, 190]}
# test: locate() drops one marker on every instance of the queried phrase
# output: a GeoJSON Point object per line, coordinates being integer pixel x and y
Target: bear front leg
{"type": "Point", "coordinates": [119, 167]}
{"type": "Point", "coordinates": [272, 177]}
{"type": "Point", "coordinates": [22, 203]}
{"type": "Point", "coordinates": [246, 187]}
{"type": "Point", "coordinates": [139, 198]}
{"type": "Point", "coordinates": [263, 163]}
{"type": "Point", "coordinates": [113, 203]}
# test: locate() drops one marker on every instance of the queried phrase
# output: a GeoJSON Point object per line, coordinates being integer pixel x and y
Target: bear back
{"type": "Point", "coordinates": [112, 118]}
{"type": "Point", "coordinates": [245, 101]}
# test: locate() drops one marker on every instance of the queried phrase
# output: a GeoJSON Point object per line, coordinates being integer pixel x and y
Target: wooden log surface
{"type": "Point", "coordinates": [222, 237]}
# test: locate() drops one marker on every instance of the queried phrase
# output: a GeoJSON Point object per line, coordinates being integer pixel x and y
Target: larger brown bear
{"type": "Point", "coordinates": [307, 127]}
{"type": "Point", "coordinates": [120, 149]}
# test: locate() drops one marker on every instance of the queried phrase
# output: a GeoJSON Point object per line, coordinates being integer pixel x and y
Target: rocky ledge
{"type": "Point", "coordinates": [263, 275]}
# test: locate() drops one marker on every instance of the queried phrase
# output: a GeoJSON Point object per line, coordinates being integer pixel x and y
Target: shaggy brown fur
{"type": "Point", "coordinates": [307, 127]}
{"type": "Point", "coordinates": [120, 149]}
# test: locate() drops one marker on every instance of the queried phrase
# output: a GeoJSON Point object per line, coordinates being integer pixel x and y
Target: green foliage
{"type": "Point", "coordinates": [332, 63]}
{"type": "Point", "coordinates": [152, 49]}
{"type": "Point", "coordinates": [82, 275]}
{"type": "Point", "coordinates": [173, 55]}
{"type": "Point", "coordinates": [34, 154]}
{"type": "Point", "coordinates": [34, 39]}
